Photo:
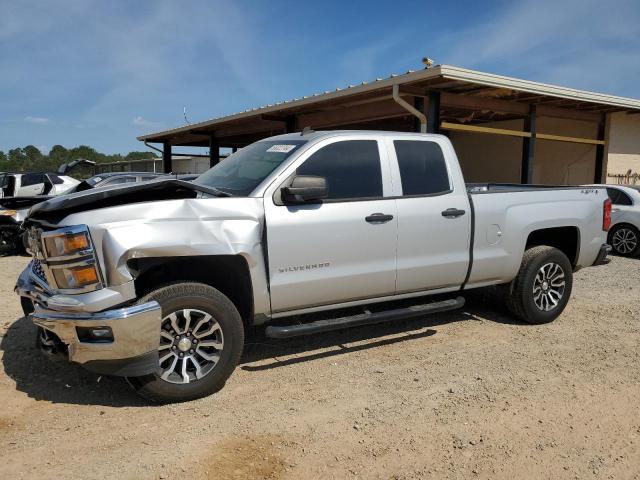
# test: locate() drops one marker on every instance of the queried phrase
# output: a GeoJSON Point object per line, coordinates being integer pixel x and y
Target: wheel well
{"type": "Point", "coordinates": [227, 273]}
{"type": "Point", "coordinates": [565, 239]}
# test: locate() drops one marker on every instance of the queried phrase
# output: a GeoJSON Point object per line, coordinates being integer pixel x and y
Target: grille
{"type": "Point", "coordinates": [36, 269]}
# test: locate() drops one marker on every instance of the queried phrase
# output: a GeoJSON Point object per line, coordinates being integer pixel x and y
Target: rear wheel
{"type": "Point", "coordinates": [201, 340]}
{"type": "Point", "coordinates": [542, 288]}
{"type": "Point", "coordinates": [625, 240]}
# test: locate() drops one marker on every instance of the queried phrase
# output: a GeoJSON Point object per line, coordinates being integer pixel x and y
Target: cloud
{"type": "Point", "coordinates": [37, 120]}
{"type": "Point", "coordinates": [585, 44]}
{"type": "Point", "coordinates": [141, 122]}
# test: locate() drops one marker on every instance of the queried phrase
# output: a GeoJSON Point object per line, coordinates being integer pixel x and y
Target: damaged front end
{"type": "Point", "coordinates": [82, 279]}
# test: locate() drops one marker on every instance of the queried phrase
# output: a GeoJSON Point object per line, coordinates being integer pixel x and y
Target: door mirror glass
{"type": "Point", "coordinates": [305, 188]}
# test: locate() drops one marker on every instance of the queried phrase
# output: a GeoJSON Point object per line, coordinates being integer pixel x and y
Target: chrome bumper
{"type": "Point", "coordinates": [135, 330]}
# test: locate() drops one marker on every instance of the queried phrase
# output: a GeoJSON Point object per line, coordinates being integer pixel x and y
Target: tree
{"type": "Point", "coordinates": [140, 156]}
{"type": "Point", "coordinates": [30, 158]}
{"type": "Point", "coordinates": [35, 161]}
{"type": "Point", "coordinates": [17, 160]}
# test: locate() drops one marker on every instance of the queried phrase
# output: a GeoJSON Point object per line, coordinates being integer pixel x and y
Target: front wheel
{"type": "Point", "coordinates": [201, 340]}
{"type": "Point", "coordinates": [542, 288]}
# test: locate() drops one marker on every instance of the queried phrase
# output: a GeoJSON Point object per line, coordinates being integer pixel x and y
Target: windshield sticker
{"type": "Point", "coordinates": [281, 148]}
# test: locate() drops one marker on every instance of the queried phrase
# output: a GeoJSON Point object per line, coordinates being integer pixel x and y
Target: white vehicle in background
{"type": "Point", "coordinates": [31, 184]}
{"type": "Point", "coordinates": [624, 235]}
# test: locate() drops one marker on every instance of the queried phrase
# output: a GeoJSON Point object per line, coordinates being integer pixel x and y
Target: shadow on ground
{"type": "Point", "coordinates": [61, 382]}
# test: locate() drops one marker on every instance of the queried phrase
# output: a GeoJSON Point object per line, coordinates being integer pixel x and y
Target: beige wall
{"type": "Point", "coordinates": [623, 143]}
{"type": "Point", "coordinates": [497, 158]}
{"type": "Point", "coordinates": [489, 158]}
{"type": "Point", "coordinates": [190, 164]}
{"type": "Point", "coordinates": [562, 162]}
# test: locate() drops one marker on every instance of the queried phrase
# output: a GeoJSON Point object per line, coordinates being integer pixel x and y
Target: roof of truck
{"type": "Point", "coordinates": [313, 135]}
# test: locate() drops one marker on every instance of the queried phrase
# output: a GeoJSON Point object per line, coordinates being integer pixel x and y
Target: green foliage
{"type": "Point", "coordinates": [30, 158]}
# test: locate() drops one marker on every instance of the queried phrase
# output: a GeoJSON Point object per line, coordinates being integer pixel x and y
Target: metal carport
{"type": "Point", "coordinates": [442, 99]}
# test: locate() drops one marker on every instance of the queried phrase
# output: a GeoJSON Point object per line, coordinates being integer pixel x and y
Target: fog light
{"type": "Point", "coordinates": [95, 334]}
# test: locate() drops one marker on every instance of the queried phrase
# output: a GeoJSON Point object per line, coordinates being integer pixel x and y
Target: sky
{"type": "Point", "coordinates": [100, 73]}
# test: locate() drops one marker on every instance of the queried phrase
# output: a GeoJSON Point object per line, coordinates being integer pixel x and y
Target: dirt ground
{"type": "Point", "coordinates": [468, 394]}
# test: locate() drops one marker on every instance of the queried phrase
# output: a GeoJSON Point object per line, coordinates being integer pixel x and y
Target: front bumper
{"type": "Point", "coordinates": [132, 349]}
{"type": "Point", "coordinates": [601, 259]}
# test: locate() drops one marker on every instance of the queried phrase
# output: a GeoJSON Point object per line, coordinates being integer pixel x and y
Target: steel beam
{"type": "Point", "coordinates": [214, 150]}
{"type": "Point", "coordinates": [433, 112]}
{"type": "Point", "coordinates": [291, 124]}
{"type": "Point", "coordinates": [528, 147]}
{"type": "Point", "coordinates": [166, 157]}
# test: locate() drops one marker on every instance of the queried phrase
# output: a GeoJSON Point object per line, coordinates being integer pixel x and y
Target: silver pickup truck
{"type": "Point", "coordinates": [157, 282]}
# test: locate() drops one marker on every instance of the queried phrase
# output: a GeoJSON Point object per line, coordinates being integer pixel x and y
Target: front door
{"type": "Point", "coordinates": [336, 250]}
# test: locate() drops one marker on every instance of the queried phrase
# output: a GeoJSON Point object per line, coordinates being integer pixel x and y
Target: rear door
{"type": "Point", "coordinates": [434, 220]}
{"type": "Point", "coordinates": [336, 250]}
{"type": "Point", "coordinates": [31, 184]}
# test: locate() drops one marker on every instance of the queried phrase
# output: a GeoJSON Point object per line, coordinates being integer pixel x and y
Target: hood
{"type": "Point", "coordinates": [57, 208]}
{"type": "Point", "coordinates": [65, 168]}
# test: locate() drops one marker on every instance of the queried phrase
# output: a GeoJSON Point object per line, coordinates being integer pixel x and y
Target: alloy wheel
{"type": "Point", "coordinates": [191, 343]}
{"type": "Point", "coordinates": [624, 240]}
{"type": "Point", "coordinates": [548, 286]}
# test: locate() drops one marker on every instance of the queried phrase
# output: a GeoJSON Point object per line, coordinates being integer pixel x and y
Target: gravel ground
{"type": "Point", "coordinates": [468, 394]}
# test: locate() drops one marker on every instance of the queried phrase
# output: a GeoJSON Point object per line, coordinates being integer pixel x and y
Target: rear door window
{"type": "Point", "coordinates": [31, 179]}
{"type": "Point", "coordinates": [351, 167]}
{"type": "Point", "coordinates": [423, 170]}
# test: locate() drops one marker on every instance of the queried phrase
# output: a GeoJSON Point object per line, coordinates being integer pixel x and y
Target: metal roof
{"type": "Point", "coordinates": [459, 77]}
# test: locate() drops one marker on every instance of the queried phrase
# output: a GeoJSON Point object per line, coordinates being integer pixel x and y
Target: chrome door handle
{"type": "Point", "coordinates": [378, 218]}
{"type": "Point", "coordinates": [453, 213]}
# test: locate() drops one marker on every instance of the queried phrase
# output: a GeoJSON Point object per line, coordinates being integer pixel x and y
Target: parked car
{"type": "Point", "coordinates": [13, 210]}
{"type": "Point", "coordinates": [29, 184]}
{"type": "Point", "coordinates": [156, 281]}
{"type": "Point", "coordinates": [624, 235]}
{"type": "Point", "coordinates": [115, 178]}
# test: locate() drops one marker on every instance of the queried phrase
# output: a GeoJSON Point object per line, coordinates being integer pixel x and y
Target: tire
{"type": "Point", "coordinates": [547, 271]}
{"type": "Point", "coordinates": [624, 240]}
{"type": "Point", "coordinates": [207, 367]}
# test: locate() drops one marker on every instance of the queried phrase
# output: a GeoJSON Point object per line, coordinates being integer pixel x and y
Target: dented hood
{"type": "Point", "coordinates": [169, 189]}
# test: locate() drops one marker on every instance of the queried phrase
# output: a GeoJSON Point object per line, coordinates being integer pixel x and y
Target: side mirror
{"type": "Point", "coordinates": [305, 188]}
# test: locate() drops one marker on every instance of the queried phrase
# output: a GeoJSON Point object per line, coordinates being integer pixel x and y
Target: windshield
{"type": "Point", "coordinates": [243, 171]}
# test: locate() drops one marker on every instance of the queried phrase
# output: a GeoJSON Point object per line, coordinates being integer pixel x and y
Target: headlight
{"type": "Point", "coordinates": [66, 243]}
{"type": "Point", "coordinates": [75, 277]}
{"type": "Point", "coordinates": [8, 213]}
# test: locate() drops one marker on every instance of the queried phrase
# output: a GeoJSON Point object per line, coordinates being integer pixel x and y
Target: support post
{"type": "Point", "coordinates": [433, 112]}
{"type": "Point", "coordinates": [418, 103]}
{"type": "Point", "coordinates": [166, 157]}
{"type": "Point", "coordinates": [528, 147]}
{"type": "Point", "coordinates": [214, 150]}
{"type": "Point", "coordinates": [600, 176]}
{"type": "Point", "coordinates": [290, 125]}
